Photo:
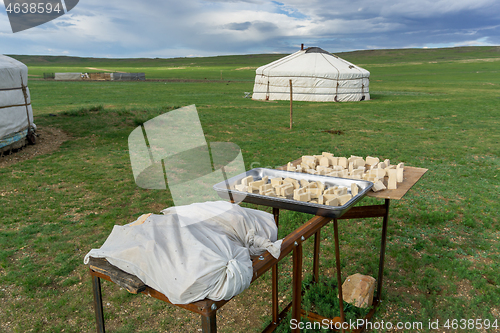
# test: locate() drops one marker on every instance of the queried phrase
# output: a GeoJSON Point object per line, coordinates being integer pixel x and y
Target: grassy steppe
{"type": "Point", "coordinates": [437, 109]}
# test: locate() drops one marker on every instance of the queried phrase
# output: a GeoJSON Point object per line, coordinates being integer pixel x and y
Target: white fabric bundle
{"type": "Point", "coordinates": [193, 252]}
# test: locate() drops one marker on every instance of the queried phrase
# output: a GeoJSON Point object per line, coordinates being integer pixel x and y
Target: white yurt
{"type": "Point", "coordinates": [317, 76]}
{"type": "Point", "coordinates": [16, 115]}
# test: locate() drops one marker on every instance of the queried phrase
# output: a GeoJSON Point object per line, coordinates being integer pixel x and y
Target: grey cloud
{"type": "Point", "coordinates": [234, 1]}
{"type": "Point", "coordinates": [179, 28]}
{"type": "Point", "coordinates": [260, 26]}
{"type": "Point", "coordinates": [265, 26]}
{"type": "Point", "coordinates": [239, 26]}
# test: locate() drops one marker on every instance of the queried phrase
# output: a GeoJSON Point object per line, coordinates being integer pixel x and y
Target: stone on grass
{"type": "Point", "coordinates": [358, 290]}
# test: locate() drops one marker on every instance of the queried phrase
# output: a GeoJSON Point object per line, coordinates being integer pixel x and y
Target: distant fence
{"type": "Point", "coordinates": [96, 76]}
{"type": "Point", "coordinates": [128, 76]}
{"type": "Point", "coordinates": [68, 76]}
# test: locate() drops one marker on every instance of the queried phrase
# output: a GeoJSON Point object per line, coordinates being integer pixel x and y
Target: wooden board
{"type": "Point", "coordinates": [410, 178]}
{"type": "Point", "coordinates": [125, 280]}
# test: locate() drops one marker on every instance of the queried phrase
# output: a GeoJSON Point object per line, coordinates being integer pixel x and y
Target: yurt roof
{"type": "Point", "coordinates": [11, 72]}
{"type": "Point", "coordinates": [313, 62]}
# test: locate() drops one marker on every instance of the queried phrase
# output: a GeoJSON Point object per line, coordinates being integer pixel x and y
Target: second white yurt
{"type": "Point", "coordinates": [316, 75]}
{"type": "Point", "coordinates": [16, 115]}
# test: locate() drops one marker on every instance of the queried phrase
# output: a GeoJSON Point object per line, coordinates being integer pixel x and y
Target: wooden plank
{"type": "Point", "coordinates": [361, 212]}
{"type": "Point", "coordinates": [205, 307]}
{"type": "Point", "coordinates": [411, 177]}
{"type": "Point", "coordinates": [125, 280]}
{"type": "Point", "coordinates": [101, 268]}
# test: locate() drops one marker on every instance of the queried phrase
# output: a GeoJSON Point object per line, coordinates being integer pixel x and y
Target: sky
{"type": "Point", "coordinates": [194, 28]}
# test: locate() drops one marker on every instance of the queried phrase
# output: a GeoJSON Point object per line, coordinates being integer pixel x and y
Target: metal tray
{"type": "Point", "coordinates": [225, 189]}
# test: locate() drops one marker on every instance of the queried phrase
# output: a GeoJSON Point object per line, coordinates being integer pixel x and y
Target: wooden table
{"type": "Point", "coordinates": [100, 268]}
{"type": "Point", "coordinates": [411, 176]}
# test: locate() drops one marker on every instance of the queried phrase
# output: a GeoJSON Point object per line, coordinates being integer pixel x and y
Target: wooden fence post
{"type": "Point", "coordinates": [291, 105]}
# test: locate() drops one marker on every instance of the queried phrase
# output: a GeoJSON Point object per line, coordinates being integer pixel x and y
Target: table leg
{"type": "Point", "coordinates": [339, 275]}
{"type": "Point", "coordinates": [297, 285]}
{"type": "Point", "coordinates": [274, 277]}
{"type": "Point", "coordinates": [209, 323]}
{"type": "Point", "coordinates": [317, 240]}
{"type": "Point", "coordinates": [382, 250]}
{"type": "Point", "coordinates": [99, 314]}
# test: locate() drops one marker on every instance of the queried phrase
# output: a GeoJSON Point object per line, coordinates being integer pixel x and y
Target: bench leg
{"type": "Point", "coordinates": [99, 315]}
{"type": "Point", "coordinates": [339, 275]}
{"type": "Point", "coordinates": [382, 250]}
{"type": "Point", "coordinates": [275, 277]}
{"type": "Point", "coordinates": [209, 323]}
{"type": "Point", "coordinates": [297, 285]}
{"type": "Point", "coordinates": [317, 241]}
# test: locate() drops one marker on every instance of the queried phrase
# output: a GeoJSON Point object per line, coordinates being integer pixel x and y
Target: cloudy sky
{"type": "Point", "coordinates": [182, 28]}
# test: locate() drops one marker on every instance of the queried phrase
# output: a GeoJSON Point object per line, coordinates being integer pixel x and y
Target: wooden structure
{"type": "Point", "coordinates": [99, 77]}
{"type": "Point", "coordinates": [100, 268]}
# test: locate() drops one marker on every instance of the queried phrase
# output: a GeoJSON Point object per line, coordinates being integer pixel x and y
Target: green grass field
{"type": "Point", "coordinates": [434, 108]}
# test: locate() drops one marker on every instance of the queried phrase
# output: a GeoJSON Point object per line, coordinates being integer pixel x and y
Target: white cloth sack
{"type": "Point", "coordinates": [193, 252]}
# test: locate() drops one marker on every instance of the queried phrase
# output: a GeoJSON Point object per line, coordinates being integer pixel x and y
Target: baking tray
{"type": "Point", "coordinates": [299, 206]}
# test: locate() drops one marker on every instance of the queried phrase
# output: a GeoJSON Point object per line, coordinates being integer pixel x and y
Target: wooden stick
{"type": "Point", "coordinates": [291, 104]}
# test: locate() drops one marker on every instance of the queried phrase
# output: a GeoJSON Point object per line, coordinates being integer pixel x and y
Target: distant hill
{"type": "Point", "coordinates": [65, 61]}
{"type": "Point", "coordinates": [405, 55]}
{"type": "Point", "coordinates": [364, 57]}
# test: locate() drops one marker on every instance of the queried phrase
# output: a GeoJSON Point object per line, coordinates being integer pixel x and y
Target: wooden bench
{"type": "Point", "coordinates": [102, 269]}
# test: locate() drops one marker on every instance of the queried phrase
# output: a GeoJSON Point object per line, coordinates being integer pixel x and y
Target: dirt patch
{"type": "Point", "coordinates": [48, 140]}
{"type": "Point", "coordinates": [338, 132]}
